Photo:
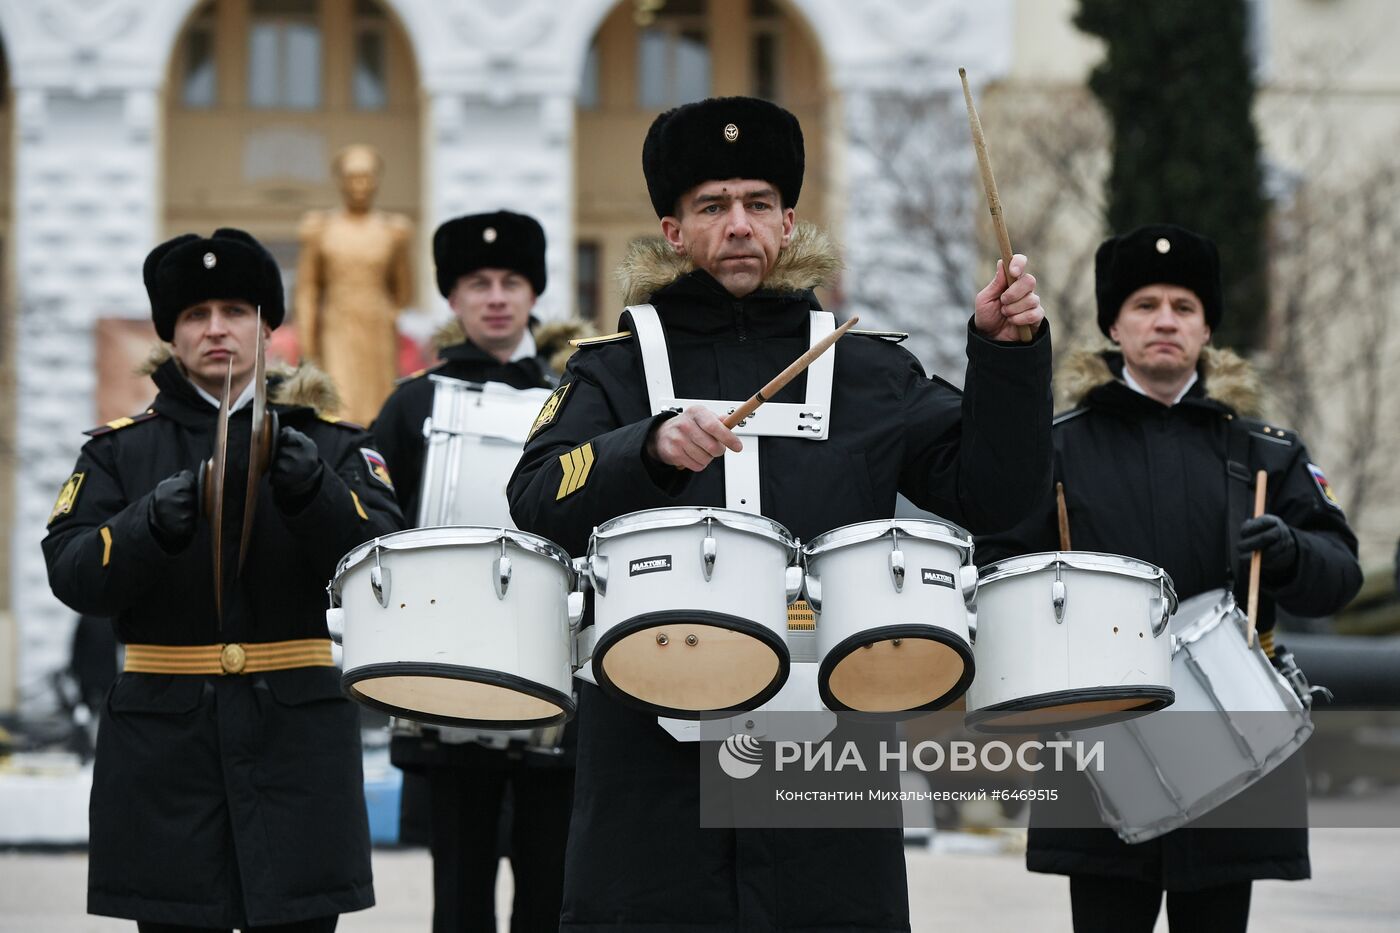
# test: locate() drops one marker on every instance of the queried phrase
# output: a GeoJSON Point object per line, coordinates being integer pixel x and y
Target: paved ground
{"type": "Point", "coordinates": [965, 882]}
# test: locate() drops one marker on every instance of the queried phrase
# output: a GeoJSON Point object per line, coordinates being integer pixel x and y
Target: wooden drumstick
{"type": "Point", "coordinates": [989, 182]}
{"type": "Point", "coordinates": [787, 375]}
{"type": "Point", "coordinates": [1064, 516]}
{"type": "Point", "coordinates": [1261, 483]}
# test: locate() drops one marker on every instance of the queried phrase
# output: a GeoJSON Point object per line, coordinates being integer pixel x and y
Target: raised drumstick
{"type": "Point", "coordinates": [787, 375]}
{"type": "Point", "coordinates": [984, 163]}
{"type": "Point", "coordinates": [1261, 483]}
{"type": "Point", "coordinates": [1063, 515]}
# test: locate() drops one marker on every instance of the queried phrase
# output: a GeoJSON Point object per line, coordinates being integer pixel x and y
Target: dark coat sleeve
{"type": "Point", "coordinates": [398, 436]}
{"type": "Point", "coordinates": [985, 461]}
{"type": "Point", "coordinates": [608, 471]}
{"type": "Point", "coordinates": [101, 556]}
{"type": "Point", "coordinates": [351, 506]}
{"type": "Point", "coordinates": [1328, 574]}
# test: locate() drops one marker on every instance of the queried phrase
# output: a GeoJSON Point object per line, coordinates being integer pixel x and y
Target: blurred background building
{"type": "Point", "coordinates": [123, 122]}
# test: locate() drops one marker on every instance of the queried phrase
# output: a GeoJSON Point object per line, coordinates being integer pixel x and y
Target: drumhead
{"type": "Point", "coordinates": [1094, 561]}
{"type": "Point", "coordinates": [454, 695]}
{"type": "Point", "coordinates": [860, 532]}
{"type": "Point", "coordinates": [684, 516]}
{"type": "Point", "coordinates": [1200, 615]}
{"type": "Point", "coordinates": [451, 536]}
{"type": "Point", "coordinates": [687, 663]}
{"type": "Point", "coordinates": [896, 669]}
{"type": "Point", "coordinates": [1067, 710]}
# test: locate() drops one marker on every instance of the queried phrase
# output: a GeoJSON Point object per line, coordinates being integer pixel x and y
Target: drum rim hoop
{"type": "Point", "coordinates": [491, 386]}
{"type": "Point", "coordinates": [1220, 609]}
{"type": "Point", "coordinates": [1119, 564]}
{"type": "Point", "coordinates": [441, 536]}
{"type": "Point", "coordinates": [861, 532]}
{"type": "Point", "coordinates": [479, 675]}
{"type": "Point", "coordinates": [646, 620]}
{"type": "Point", "coordinates": [851, 643]}
{"type": "Point", "coordinates": [983, 720]}
{"type": "Point", "coordinates": [655, 519]}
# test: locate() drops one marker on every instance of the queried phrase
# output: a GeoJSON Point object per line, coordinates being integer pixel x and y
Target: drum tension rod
{"type": "Point", "coordinates": [501, 578]}
{"type": "Point", "coordinates": [1058, 595]}
{"type": "Point", "coordinates": [708, 549]}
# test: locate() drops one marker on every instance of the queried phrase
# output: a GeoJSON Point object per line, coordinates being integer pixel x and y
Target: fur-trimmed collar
{"type": "Point", "coordinates": [1227, 378]}
{"type": "Point", "coordinates": [302, 385]}
{"type": "Point", "coordinates": [551, 338]}
{"type": "Point", "coordinates": [809, 260]}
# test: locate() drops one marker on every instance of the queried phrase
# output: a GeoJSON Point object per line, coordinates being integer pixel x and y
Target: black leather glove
{"type": "Point", "coordinates": [296, 471]}
{"type": "Point", "coordinates": [1275, 541]}
{"type": "Point", "coordinates": [173, 512]}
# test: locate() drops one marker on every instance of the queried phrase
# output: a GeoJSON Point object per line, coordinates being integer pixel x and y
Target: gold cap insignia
{"type": "Point", "coordinates": [731, 132]}
{"type": "Point", "coordinates": [489, 234]}
{"type": "Point", "coordinates": [210, 260]}
{"type": "Point", "coordinates": [1164, 245]}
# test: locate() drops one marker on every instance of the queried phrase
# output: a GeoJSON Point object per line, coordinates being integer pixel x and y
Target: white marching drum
{"type": "Point", "coordinates": [1235, 719]}
{"type": "Point", "coordinates": [690, 609]}
{"type": "Point", "coordinates": [474, 438]}
{"type": "Point", "coordinates": [892, 627]}
{"type": "Point", "coordinates": [1070, 639]}
{"type": "Point", "coordinates": [459, 626]}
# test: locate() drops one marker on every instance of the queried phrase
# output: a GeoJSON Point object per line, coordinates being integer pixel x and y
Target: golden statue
{"type": "Point", "coordinates": [354, 276]}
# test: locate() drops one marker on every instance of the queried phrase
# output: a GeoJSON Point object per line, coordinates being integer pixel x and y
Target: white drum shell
{"type": "Point", "coordinates": [1105, 639]}
{"type": "Point", "coordinates": [853, 590]}
{"type": "Point", "coordinates": [1174, 772]}
{"type": "Point", "coordinates": [748, 578]}
{"type": "Point", "coordinates": [443, 610]}
{"type": "Point", "coordinates": [858, 591]}
{"type": "Point", "coordinates": [474, 439]}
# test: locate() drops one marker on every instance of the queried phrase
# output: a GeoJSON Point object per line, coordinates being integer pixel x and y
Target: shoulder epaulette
{"type": "Point", "coordinates": [893, 336]}
{"type": "Point", "coordinates": [340, 422]}
{"type": "Point", "coordinates": [595, 341]}
{"type": "Point", "coordinates": [120, 423]}
{"type": "Point", "coordinates": [1069, 415]}
{"type": "Point", "coordinates": [420, 374]}
{"type": "Point", "coordinates": [1267, 432]}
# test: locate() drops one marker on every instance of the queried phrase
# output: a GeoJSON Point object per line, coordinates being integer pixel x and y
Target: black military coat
{"type": "Point", "coordinates": [1157, 483]}
{"type": "Point", "coordinates": [638, 861]}
{"type": "Point", "coordinates": [399, 433]}
{"type": "Point", "coordinates": [235, 800]}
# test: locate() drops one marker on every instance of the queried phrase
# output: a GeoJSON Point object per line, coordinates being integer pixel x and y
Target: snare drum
{"type": "Point", "coordinates": [690, 609]}
{"type": "Point", "coordinates": [1235, 719]}
{"type": "Point", "coordinates": [892, 629]}
{"type": "Point", "coordinates": [1070, 639]}
{"type": "Point", "coordinates": [458, 626]}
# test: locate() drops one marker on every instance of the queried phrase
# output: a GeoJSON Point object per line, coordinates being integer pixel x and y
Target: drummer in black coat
{"type": "Point", "coordinates": [227, 790]}
{"type": "Point", "coordinates": [1158, 463]}
{"type": "Point", "coordinates": [732, 285]}
{"type": "Point", "coordinates": [491, 270]}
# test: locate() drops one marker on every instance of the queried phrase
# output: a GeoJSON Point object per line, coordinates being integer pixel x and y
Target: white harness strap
{"type": "Point", "coordinates": [807, 420]}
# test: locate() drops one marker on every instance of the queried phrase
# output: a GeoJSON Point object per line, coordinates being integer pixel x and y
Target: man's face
{"type": "Point", "coordinates": [359, 178]}
{"type": "Point", "coordinates": [210, 334]}
{"type": "Point", "coordinates": [1161, 330]}
{"type": "Point", "coordinates": [732, 229]}
{"type": "Point", "coordinates": [493, 306]}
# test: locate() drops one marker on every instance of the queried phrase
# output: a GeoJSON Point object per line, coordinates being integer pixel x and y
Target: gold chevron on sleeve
{"type": "Point", "coordinates": [576, 464]}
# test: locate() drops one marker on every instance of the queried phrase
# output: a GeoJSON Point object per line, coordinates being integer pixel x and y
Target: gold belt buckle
{"type": "Point", "coordinates": [233, 658]}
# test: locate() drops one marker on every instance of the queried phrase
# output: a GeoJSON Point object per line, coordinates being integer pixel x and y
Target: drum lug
{"type": "Point", "coordinates": [1058, 596]}
{"type": "Point", "coordinates": [967, 577]}
{"type": "Point", "coordinates": [708, 549]}
{"type": "Point", "coordinates": [379, 580]}
{"type": "Point", "coordinates": [1161, 613]}
{"type": "Point", "coordinates": [335, 625]}
{"type": "Point", "coordinates": [598, 573]}
{"type": "Point", "coordinates": [896, 562]}
{"type": "Point", "coordinates": [501, 577]}
{"type": "Point", "coordinates": [793, 581]}
{"type": "Point", "coordinates": [576, 603]}
{"type": "Point", "coordinates": [813, 584]}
